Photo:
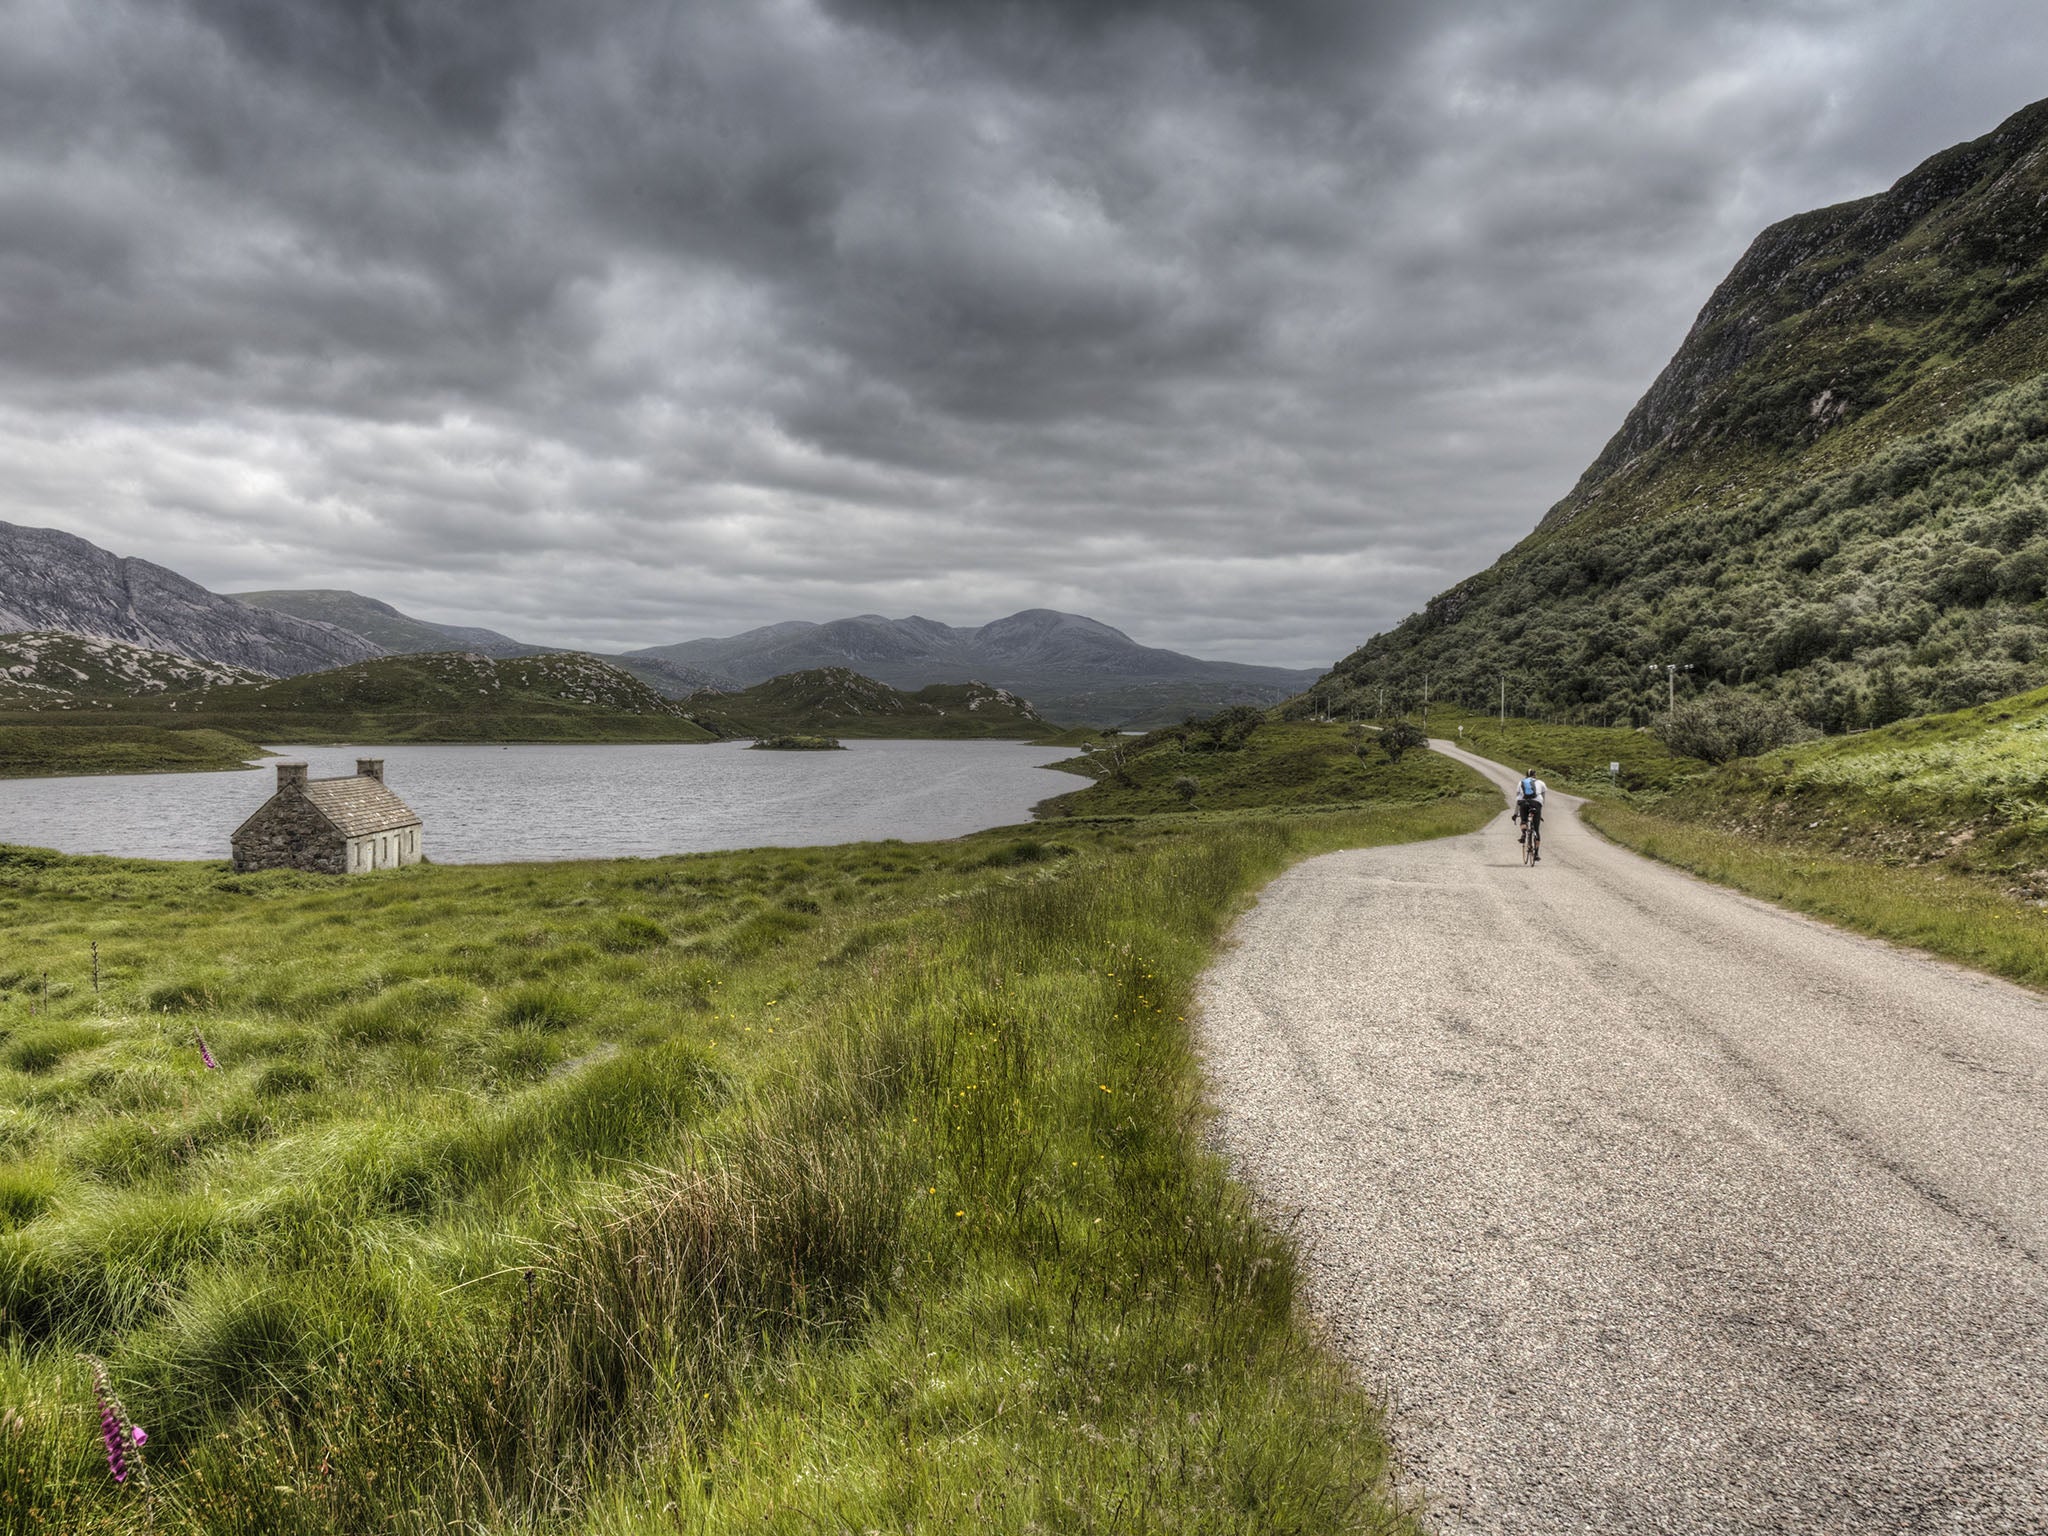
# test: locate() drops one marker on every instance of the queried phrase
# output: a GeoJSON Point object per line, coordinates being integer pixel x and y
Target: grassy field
{"type": "Point", "coordinates": [797, 1190]}
{"type": "Point", "coordinates": [32, 751]}
{"type": "Point", "coordinates": [1294, 764]}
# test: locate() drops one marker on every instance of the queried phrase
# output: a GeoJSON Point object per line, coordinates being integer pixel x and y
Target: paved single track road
{"type": "Point", "coordinates": [1651, 1207]}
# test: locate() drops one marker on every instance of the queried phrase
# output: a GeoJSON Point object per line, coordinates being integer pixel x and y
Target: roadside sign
{"type": "Point", "coordinates": [1614, 769]}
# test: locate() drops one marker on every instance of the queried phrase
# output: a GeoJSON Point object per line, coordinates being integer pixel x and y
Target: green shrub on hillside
{"type": "Point", "coordinates": [1725, 725]}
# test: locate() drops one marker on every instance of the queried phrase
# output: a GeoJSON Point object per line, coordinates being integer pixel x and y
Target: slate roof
{"type": "Point", "coordinates": [359, 805]}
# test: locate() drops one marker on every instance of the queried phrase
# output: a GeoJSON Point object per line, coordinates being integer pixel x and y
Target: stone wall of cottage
{"type": "Point", "coordinates": [287, 833]}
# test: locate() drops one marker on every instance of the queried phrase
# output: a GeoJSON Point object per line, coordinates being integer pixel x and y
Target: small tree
{"type": "Point", "coordinates": [1114, 752]}
{"type": "Point", "coordinates": [1226, 730]}
{"type": "Point", "coordinates": [1187, 789]}
{"type": "Point", "coordinates": [1398, 736]}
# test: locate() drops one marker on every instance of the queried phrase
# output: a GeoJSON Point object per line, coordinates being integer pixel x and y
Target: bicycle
{"type": "Point", "coordinates": [1532, 838]}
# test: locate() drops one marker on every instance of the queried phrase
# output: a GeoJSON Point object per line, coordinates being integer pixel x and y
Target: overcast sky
{"type": "Point", "coordinates": [1243, 327]}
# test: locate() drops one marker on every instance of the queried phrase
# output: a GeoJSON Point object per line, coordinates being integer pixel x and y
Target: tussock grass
{"type": "Point", "coordinates": [864, 1189]}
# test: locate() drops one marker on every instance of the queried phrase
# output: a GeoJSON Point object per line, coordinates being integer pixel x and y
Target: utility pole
{"type": "Point", "coordinates": [1671, 671]}
{"type": "Point", "coordinates": [1503, 701]}
{"type": "Point", "coordinates": [1425, 698]}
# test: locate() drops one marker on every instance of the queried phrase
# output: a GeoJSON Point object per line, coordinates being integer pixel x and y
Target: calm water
{"type": "Point", "coordinates": [485, 804]}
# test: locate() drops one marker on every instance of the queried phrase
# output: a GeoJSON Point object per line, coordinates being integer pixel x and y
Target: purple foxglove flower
{"type": "Point", "coordinates": [204, 1054]}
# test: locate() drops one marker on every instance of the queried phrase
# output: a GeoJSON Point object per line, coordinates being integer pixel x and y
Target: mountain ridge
{"type": "Point", "coordinates": [1831, 495]}
{"type": "Point", "coordinates": [58, 581]}
{"type": "Point", "coordinates": [1073, 668]}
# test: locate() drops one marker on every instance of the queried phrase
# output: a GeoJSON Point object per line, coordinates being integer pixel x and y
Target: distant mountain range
{"type": "Point", "coordinates": [398, 633]}
{"type": "Point", "coordinates": [1072, 669]}
{"type": "Point", "coordinates": [56, 581]}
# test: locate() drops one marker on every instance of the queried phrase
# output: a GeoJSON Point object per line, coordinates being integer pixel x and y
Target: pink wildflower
{"type": "Point", "coordinates": [119, 1435]}
{"type": "Point", "coordinates": [204, 1054]}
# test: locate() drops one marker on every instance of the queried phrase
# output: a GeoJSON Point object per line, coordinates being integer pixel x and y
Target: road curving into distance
{"type": "Point", "coordinates": [1650, 1207]}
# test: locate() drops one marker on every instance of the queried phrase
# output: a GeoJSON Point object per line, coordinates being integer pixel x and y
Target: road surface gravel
{"type": "Point", "coordinates": [1650, 1207]}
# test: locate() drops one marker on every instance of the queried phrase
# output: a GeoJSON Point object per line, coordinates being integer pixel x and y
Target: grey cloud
{"type": "Point", "coordinates": [1243, 326]}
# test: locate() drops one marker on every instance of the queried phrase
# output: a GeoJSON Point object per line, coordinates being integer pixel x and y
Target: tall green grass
{"type": "Point", "coordinates": [835, 1189]}
{"type": "Point", "coordinates": [1943, 911]}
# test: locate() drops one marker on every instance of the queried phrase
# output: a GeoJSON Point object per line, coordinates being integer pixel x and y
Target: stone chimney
{"type": "Point", "coordinates": [370, 768]}
{"type": "Point", "coordinates": [291, 776]}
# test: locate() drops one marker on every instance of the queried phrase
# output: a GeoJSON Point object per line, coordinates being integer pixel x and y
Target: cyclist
{"type": "Point", "coordinates": [1529, 811]}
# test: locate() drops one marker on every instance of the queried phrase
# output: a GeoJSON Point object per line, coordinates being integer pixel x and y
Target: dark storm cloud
{"type": "Point", "coordinates": [1244, 326]}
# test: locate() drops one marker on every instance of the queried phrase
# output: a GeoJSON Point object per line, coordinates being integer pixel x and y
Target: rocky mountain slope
{"type": "Point", "coordinates": [50, 670]}
{"type": "Point", "coordinates": [1833, 494]}
{"type": "Point", "coordinates": [56, 581]}
{"type": "Point", "coordinates": [836, 701]}
{"type": "Point", "coordinates": [383, 625]}
{"type": "Point", "coordinates": [1071, 667]}
{"type": "Point", "coordinates": [401, 634]}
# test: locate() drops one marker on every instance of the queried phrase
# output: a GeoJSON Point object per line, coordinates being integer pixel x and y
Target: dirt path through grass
{"type": "Point", "coordinates": [1652, 1207]}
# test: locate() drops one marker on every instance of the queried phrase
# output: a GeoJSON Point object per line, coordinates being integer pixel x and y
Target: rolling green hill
{"type": "Point", "coordinates": [42, 751]}
{"type": "Point", "coordinates": [1832, 495]}
{"type": "Point", "coordinates": [446, 697]}
{"type": "Point", "coordinates": [837, 701]}
{"type": "Point", "coordinates": [1966, 790]}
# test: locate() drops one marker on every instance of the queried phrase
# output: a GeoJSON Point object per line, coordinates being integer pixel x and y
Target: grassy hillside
{"type": "Point", "coordinates": [835, 701]}
{"type": "Point", "coordinates": [1287, 764]}
{"type": "Point", "coordinates": [44, 670]}
{"type": "Point", "coordinates": [446, 697]}
{"type": "Point", "coordinates": [36, 751]}
{"type": "Point", "coordinates": [1833, 494]}
{"type": "Point", "coordinates": [1967, 790]}
{"type": "Point", "coordinates": [832, 1189]}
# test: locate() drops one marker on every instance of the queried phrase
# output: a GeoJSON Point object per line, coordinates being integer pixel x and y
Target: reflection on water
{"type": "Point", "coordinates": [485, 804]}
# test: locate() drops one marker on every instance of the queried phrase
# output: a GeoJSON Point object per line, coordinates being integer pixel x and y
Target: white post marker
{"type": "Point", "coordinates": [1614, 770]}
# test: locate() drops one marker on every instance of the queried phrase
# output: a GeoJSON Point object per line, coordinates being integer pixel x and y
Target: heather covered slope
{"type": "Point", "coordinates": [1833, 493]}
{"type": "Point", "coordinates": [446, 697]}
{"type": "Point", "coordinates": [837, 702]}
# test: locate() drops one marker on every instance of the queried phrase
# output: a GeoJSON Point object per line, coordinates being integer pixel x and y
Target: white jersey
{"type": "Point", "coordinates": [1522, 787]}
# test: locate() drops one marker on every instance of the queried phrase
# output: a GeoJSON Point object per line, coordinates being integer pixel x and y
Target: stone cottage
{"type": "Point", "coordinates": [329, 826]}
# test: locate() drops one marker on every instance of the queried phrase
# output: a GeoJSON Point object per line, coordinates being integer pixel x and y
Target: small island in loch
{"type": "Point", "coordinates": [794, 743]}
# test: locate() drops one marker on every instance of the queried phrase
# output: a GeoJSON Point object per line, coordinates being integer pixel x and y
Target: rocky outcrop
{"type": "Point", "coordinates": [1834, 313]}
{"type": "Point", "coordinates": [57, 581]}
